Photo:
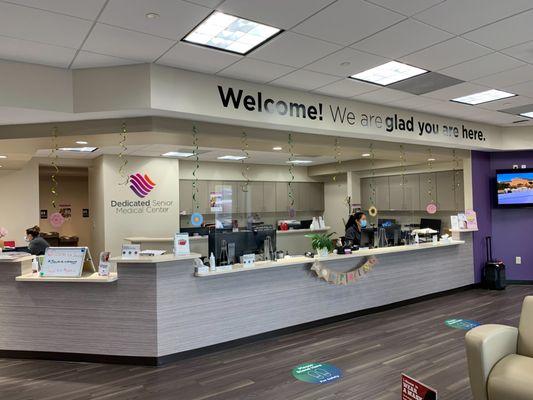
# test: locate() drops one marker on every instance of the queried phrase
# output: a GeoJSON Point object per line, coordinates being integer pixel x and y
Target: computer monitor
{"type": "Point", "coordinates": [238, 243]}
{"type": "Point", "coordinates": [434, 224]}
{"type": "Point", "coordinates": [260, 234]}
{"type": "Point", "coordinates": [199, 231]}
{"type": "Point", "coordinates": [367, 238]}
{"type": "Point", "coordinates": [386, 222]}
{"type": "Point", "coordinates": [394, 234]}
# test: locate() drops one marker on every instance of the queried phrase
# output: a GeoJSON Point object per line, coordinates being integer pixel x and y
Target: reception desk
{"type": "Point", "coordinates": [158, 309]}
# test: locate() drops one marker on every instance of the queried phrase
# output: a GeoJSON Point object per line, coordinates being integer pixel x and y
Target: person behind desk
{"type": "Point", "coordinates": [36, 243]}
{"type": "Point", "coordinates": [356, 223]}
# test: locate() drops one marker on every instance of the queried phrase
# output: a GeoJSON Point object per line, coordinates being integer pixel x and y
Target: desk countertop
{"type": "Point", "coordinates": [155, 259]}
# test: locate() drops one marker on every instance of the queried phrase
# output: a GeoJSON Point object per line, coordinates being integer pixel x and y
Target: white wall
{"type": "Point", "coordinates": [19, 201]}
{"type": "Point", "coordinates": [335, 205]}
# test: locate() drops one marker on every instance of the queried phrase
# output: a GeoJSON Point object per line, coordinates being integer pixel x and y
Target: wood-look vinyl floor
{"type": "Point", "coordinates": [372, 352]}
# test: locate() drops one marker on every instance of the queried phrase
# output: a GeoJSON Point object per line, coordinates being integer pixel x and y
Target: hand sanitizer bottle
{"type": "Point", "coordinates": [34, 266]}
{"type": "Point", "coordinates": [212, 262]}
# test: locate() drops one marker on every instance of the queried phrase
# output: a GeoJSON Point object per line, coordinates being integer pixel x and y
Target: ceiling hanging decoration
{"type": "Point", "coordinates": [431, 207]}
{"type": "Point", "coordinates": [337, 157]}
{"type": "Point", "coordinates": [245, 168]}
{"type": "Point", "coordinates": [292, 212]}
{"type": "Point", "coordinates": [54, 156]}
{"type": "Point", "coordinates": [124, 177]}
{"type": "Point", "coordinates": [372, 210]}
{"type": "Point", "coordinates": [456, 179]}
{"type": "Point", "coordinates": [197, 218]}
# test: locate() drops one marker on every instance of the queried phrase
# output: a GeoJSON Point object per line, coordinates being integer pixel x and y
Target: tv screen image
{"type": "Point", "coordinates": [515, 187]}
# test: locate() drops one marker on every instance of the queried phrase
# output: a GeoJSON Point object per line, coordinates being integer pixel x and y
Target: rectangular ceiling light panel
{"type": "Point", "coordinates": [527, 114]}
{"type": "Point", "coordinates": [229, 33]}
{"type": "Point", "coordinates": [483, 97]}
{"type": "Point", "coordinates": [388, 73]}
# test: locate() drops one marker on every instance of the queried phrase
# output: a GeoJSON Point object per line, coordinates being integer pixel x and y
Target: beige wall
{"type": "Point", "coordinates": [73, 190]}
{"type": "Point", "coordinates": [105, 187]}
{"type": "Point", "coordinates": [19, 201]}
{"type": "Point", "coordinates": [335, 205]}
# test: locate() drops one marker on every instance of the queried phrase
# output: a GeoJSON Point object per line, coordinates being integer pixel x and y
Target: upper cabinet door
{"type": "Point", "coordinates": [459, 190]}
{"type": "Point", "coordinates": [396, 189]}
{"type": "Point", "coordinates": [185, 196]}
{"type": "Point", "coordinates": [445, 190]}
{"type": "Point", "coordinates": [269, 193]}
{"type": "Point", "coordinates": [427, 184]}
{"type": "Point", "coordinates": [365, 193]}
{"type": "Point", "coordinates": [411, 192]}
{"type": "Point", "coordinates": [382, 193]}
{"type": "Point", "coordinates": [282, 201]}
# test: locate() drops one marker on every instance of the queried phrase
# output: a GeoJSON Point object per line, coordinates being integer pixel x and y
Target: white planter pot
{"type": "Point", "coordinates": [323, 252]}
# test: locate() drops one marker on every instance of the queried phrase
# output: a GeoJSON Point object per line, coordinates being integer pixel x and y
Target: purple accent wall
{"type": "Point", "coordinates": [511, 229]}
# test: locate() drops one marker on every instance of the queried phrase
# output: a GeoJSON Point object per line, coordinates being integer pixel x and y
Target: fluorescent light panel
{"type": "Point", "coordinates": [232, 158]}
{"type": "Point", "coordinates": [483, 97]}
{"type": "Point", "coordinates": [229, 33]}
{"type": "Point", "coordinates": [527, 114]}
{"type": "Point", "coordinates": [79, 149]}
{"type": "Point", "coordinates": [177, 154]}
{"type": "Point", "coordinates": [388, 73]}
{"type": "Point", "coordinates": [299, 162]}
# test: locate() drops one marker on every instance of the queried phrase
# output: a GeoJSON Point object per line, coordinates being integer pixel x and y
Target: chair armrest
{"type": "Point", "coordinates": [485, 346]}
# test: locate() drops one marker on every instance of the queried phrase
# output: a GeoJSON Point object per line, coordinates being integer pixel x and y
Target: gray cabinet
{"type": "Point", "coordinates": [396, 192]}
{"type": "Point", "coordinates": [316, 196]}
{"type": "Point", "coordinates": [382, 193]}
{"type": "Point", "coordinates": [411, 192]}
{"type": "Point", "coordinates": [282, 197]}
{"type": "Point", "coordinates": [459, 190]}
{"type": "Point", "coordinates": [366, 193]}
{"type": "Point", "coordinates": [185, 196]}
{"type": "Point", "coordinates": [445, 190]}
{"type": "Point", "coordinates": [269, 196]}
{"type": "Point", "coordinates": [230, 195]}
{"type": "Point", "coordinates": [427, 184]}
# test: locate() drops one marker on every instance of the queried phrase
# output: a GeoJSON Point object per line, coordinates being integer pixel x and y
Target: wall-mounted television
{"type": "Point", "coordinates": [514, 188]}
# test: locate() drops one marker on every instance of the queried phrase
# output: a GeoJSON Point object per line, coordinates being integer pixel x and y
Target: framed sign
{"type": "Point", "coordinates": [44, 214]}
{"type": "Point", "coordinates": [64, 261]}
{"type": "Point", "coordinates": [181, 244]}
{"type": "Point", "coordinates": [85, 213]}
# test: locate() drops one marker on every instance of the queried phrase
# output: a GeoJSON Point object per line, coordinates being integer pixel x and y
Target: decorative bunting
{"type": "Point", "coordinates": [345, 278]}
{"type": "Point", "coordinates": [54, 156]}
{"type": "Point", "coordinates": [122, 156]}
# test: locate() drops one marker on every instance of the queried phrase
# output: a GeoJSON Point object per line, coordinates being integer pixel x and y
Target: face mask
{"type": "Point", "coordinates": [363, 223]}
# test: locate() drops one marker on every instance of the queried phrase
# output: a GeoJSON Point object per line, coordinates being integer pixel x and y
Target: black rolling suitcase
{"type": "Point", "coordinates": [494, 271]}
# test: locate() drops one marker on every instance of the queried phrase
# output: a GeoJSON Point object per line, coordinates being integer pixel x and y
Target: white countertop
{"type": "Point", "coordinates": [304, 231]}
{"type": "Point", "coordinates": [5, 258]}
{"type": "Point", "coordinates": [333, 257]}
{"type": "Point", "coordinates": [90, 277]}
{"type": "Point", "coordinates": [155, 259]}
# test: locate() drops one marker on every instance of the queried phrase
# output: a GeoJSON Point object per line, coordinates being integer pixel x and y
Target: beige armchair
{"type": "Point", "coordinates": [500, 359]}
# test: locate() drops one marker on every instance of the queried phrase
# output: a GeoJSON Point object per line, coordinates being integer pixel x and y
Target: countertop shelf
{"type": "Point", "coordinates": [463, 230]}
{"type": "Point", "coordinates": [292, 261]}
{"type": "Point", "coordinates": [85, 278]}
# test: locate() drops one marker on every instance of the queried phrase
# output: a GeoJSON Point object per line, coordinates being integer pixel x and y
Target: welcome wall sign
{"type": "Point", "coordinates": [256, 102]}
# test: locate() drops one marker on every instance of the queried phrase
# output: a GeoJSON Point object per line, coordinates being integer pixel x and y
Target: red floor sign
{"type": "Point", "coordinates": [414, 390]}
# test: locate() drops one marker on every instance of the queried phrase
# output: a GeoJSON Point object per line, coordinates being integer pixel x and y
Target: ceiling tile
{"type": "Point", "coordinates": [505, 33]}
{"type": "Point", "coordinates": [401, 39]}
{"type": "Point", "coordinates": [406, 7]}
{"type": "Point", "coordinates": [249, 69]}
{"type": "Point", "coordinates": [507, 78]}
{"type": "Point", "coordinates": [36, 53]}
{"type": "Point", "coordinates": [348, 21]}
{"type": "Point", "coordinates": [482, 66]}
{"type": "Point", "coordinates": [346, 88]}
{"type": "Point", "coordinates": [383, 96]}
{"type": "Point", "coordinates": [445, 54]}
{"type": "Point", "coordinates": [293, 50]}
{"type": "Point", "coordinates": [197, 58]}
{"type": "Point", "coordinates": [176, 18]}
{"type": "Point", "coordinates": [77, 8]}
{"type": "Point", "coordinates": [105, 39]}
{"type": "Point", "coordinates": [459, 16]}
{"type": "Point", "coordinates": [279, 13]}
{"type": "Point", "coordinates": [506, 103]}
{"type": "Point", "coordinates": [42, 26]}
{"type": "Point", "coordinates": [86, 59]}
{"type": "Point", "coordinates": [523, 88]}
{"type": "Point", "coordinates": [428, 82]}
{"type": "Point", "coordinates": [523, 51]}
{"type": "Point", "coordinates": [304, 80]}
{"type": "Point", "coordinates": [358, 62]}
{"type": "Point", "coordinates": [519, 109]}
{"type": "Point", "coordinates": [207, 3]}
{"type": "Point", "coordinates": [414, 103]}
{"type": "Point", "coordinates": [459, 90]}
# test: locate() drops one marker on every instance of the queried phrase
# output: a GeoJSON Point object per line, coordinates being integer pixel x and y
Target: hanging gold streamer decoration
{"type": "Point", "coordinates": [403, 160]}
{"type": "Point", "coordinates": [122, 156]}
{"type": "Point", "coordinates": [456, 179]}
{"type": "Point", "coordinates": [196, 155]}
{"type": "Point", "coordinates": [291, 171]}
{"type": "Point", "coordinates": [431, 207]}
{"type": "Point", "coordinates": [372, 211]}
{"type": "Point", "coordinates": [245, 168]}
{"type": "Point", "coordinates": [54, 156]}
{"type": "Point", "coordinates": [338, 161]}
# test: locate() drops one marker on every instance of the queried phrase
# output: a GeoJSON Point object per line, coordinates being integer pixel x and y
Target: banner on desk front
{"type": "Point", "coordinates": [414, 390]}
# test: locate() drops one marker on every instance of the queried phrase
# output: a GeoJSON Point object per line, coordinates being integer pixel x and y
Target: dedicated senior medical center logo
{"type": "Point", "coordinates": [141, 185]}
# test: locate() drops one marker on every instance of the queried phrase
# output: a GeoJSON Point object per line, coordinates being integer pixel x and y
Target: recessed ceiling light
{"type": "Point", "coordinates": [3, 156]}
{"type": "Point", "coordinates": [82, 142]}
{"type": "Point", "coordinates": [483, 97]}
{"type": "Point", "coordinates": [365, 155]}
{"type": "Point", "coordinates": [299, 162]}
{"type": "Point", "coordinates": [277, 148]}
{"type": "Point", "coordinates": [388, 73]}
{"type": "Point", "coordinates": [79, 149]}
{"type": "Point", "coordinates": [152, 15]}
{"type": "Point", "coordinates": [229, 33]}
{"type": "Point", "coordinates": [527, 114]}
{"type": "Point", "coordinates": [431, 159]}
{"type": "Point", "coordinates": [178, 154]}
{"type": "Point", "coordinates": [232, 158]}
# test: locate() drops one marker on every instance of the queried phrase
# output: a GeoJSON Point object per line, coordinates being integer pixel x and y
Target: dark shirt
{"type": "Point", "coordinates": [353, 235]}
{"type": "Point", "coordinates": [38, 246]}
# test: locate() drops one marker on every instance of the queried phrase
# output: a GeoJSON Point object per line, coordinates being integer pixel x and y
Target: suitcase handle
{"type": "Point", "coordinates": [488, 241]}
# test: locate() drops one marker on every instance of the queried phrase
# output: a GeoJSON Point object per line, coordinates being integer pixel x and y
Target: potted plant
{"type": "Point", "coordinates": [322, 243]}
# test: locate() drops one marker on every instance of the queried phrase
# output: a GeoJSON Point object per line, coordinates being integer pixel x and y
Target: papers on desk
{"type": "Point", "coordinates": [425, 231]}
{"type": "Point", "coordinates": [152, 253]}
